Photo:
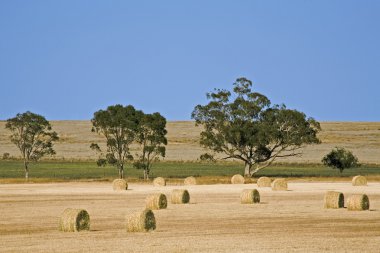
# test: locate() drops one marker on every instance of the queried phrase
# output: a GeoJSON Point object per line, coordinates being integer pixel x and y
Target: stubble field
{"type": "Point", "coordinates": [214, 221]}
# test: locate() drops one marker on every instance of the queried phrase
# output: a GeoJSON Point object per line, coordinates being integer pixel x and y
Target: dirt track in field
{"type": "Point", "coordinates": [215, 221]}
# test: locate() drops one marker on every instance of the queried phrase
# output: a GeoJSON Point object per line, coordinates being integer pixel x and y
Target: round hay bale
{"type": "Point", "coordinates": [249, 196]}
{"type": "Point", "coordinates": [334, 200]}
{"type": "Point", "coordinates": [237, 179]}
{"type": "Point", "coordinates": [74, 220]}
{"type": "Point", "coordinates": [180, 196]}
{"type": "Point", "coordinates": [156, 201]}
{"type": "Point", "coordinates": [280, 184]}
{"type": "Point", "coordinates": [159, 181]}
{"type": "Point", "coordinates": [358, 202]}
{"type": "Point", "coordinates": [119, 185]}
{"type": "Point", "coordinates": [141, 221]}
{"type": "Point", "coordinates": [190, 181]}
{"type": "Point", "coordinates": [264, 182]}
{"type": "Point", "coordinates": [359, 181]}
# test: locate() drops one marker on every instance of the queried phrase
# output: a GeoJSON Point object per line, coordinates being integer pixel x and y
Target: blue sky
{"type": "Point", "coordinates": [68, 59]}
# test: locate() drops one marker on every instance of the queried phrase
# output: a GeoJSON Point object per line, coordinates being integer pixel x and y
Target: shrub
{"type": "Point", "coordinates": [6, 156]}
{"type": "Point", "coordinates": [340, 158]}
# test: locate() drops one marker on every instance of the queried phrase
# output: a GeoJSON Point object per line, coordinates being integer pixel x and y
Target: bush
{"type": "Point", "coordinates": [340, 158]}
{"type": "Point", "coordinates": [206, 157]}
{"type": "Point", "coordinates": [6, 156]}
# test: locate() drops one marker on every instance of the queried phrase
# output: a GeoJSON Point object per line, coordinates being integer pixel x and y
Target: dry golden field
{"type": "Point", "coordinates": [214, 221]}
{"type": "Point", "coordinates": [363, 138]}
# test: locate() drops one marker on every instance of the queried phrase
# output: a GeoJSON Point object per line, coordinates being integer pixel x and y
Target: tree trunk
{"type": "Point", "coordinates": [253, 172]}
{"type": "Point", "coordinates": [26, 170]}
{"type": "Point", "coordinates": [145, 174]}
{"type": "Point", "coordinates": [121, 172]}
{"type": "Point", "coordinates": [247, 170]}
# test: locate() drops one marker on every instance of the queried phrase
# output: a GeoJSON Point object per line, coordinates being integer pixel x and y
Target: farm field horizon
{"type": "Point", "coordinates": [362, 138]}
{"type": "Point", "coordinates": [189, 126]}
{"type": "Point", "coordinates": [75, 160]}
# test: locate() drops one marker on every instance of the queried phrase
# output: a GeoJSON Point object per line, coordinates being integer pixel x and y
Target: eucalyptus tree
{"type": "Point", "coordinates": [243, 125]}
{"type": "Point", "coordinates": [33, 136]}
{"type": "Point", "coordinates": [119, 125]}
{"type": "Point", "coordinates": [152, 139]}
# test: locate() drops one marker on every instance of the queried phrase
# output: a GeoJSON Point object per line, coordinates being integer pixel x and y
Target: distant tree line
{"type": "Point", "coordinates": [120, 125]}
{"type": "Point", "coordinates": [240, 124]}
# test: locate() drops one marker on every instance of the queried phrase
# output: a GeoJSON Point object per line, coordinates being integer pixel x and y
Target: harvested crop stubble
{"type": "Point", "coordinates": [159, 181]}
{"type": "Point", "coordinates": [141, 221]}
{"type": "Point", "coordinates": [237, 179]}
{"type": "Point", "coordinates": [119, 185]}
{"type": "Point", "coordinates": [156, 201]}
{"type": "Point", "coordinates": [74, 220]}
{"type": "Point", "coordinates": [359, 181]}
{"type": "Point", "coordinates": [180, 196]}
{"type": "Point", "coordinates": [358, 202]}
{"type": "Point", "coordinates": [264, 182]}
{"type": "Point", "coordinates": [334, 200]}
{"type": "Point", "coordinates": [250, 196]}
{"type": "Point", "coordinates": [280, 184]}
{"type": "Point", "coordinates": [190, 181]}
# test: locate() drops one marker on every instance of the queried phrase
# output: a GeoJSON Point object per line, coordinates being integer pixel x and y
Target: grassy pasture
{"type": "Point", "coordinates": [62, 171]}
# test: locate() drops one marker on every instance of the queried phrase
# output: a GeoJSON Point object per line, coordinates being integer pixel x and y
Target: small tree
{"type": "Point", "coordinates": [119, 125]}
{"type": "Point", "coordinates": [151, 137]}
{"type": "Point", "coordinates": [243, 125]}
{"type": "Point", "coordinates": [341, 159]}
{"type": "Point", "coordinates": [33, 136]}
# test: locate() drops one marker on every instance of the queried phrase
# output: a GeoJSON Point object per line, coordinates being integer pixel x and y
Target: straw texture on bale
{"type": "Point", "coordinates": [156, 201]}
{"type": "Point", "coordinates": [359, 181]}
{"type": "Point", "coordinates": [119, 185]}
{"type": "Point", "coordinates": [190, 181]}
{"type": "Point", "coordinates": [159, 181]}
{"type": "Point", "coordinates": [237, 179]}
{"type": "Point", "coordinates": [264, 182]}
{"type": "Point", "coordinates": [279, 184]}
{"type": "Point", "coordinates": [141, 221]}
{"type": "Point", "coordinates": [249, 196]}
{"type": "Point", "coordinates": [74, 220]}
{"type": "Point", "coordinates": [358, 202]}
{"type": "Point", "coordinates": [334, 200]}
{"type": "Point", "coordinates": [180, 196]}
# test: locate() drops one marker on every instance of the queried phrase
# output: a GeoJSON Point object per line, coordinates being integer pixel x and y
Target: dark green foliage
{"type": "Point", "coordinates": [122, 126]}
{"type": "Point", "coordinates": [206, 157]}
{"type": "Point", "coordinates": [33, 136]}
{"type": "Point", "coordinates": [151, 137]}
{"type": "Point", "coordinates": [119, 125]}
{"type": "Point", "coordinates": [340, 158]}
{"type": "Point", "coordinates": [243, 125]}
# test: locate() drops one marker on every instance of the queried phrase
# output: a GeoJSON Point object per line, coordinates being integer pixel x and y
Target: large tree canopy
{"type": "Point", "coordinates": [119, 125]}
{"type": "Point", "coordinates": [122, 126]}
{"type": "Point", "coordinates": [243, 125]}
{"type": "Point", "coordinates": [33, 136]}
{"type": "Point", "coordinates": [152, 139]}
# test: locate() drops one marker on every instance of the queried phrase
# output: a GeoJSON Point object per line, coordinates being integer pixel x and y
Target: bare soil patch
{"type": "Point", "coordinates": [214, 221]}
